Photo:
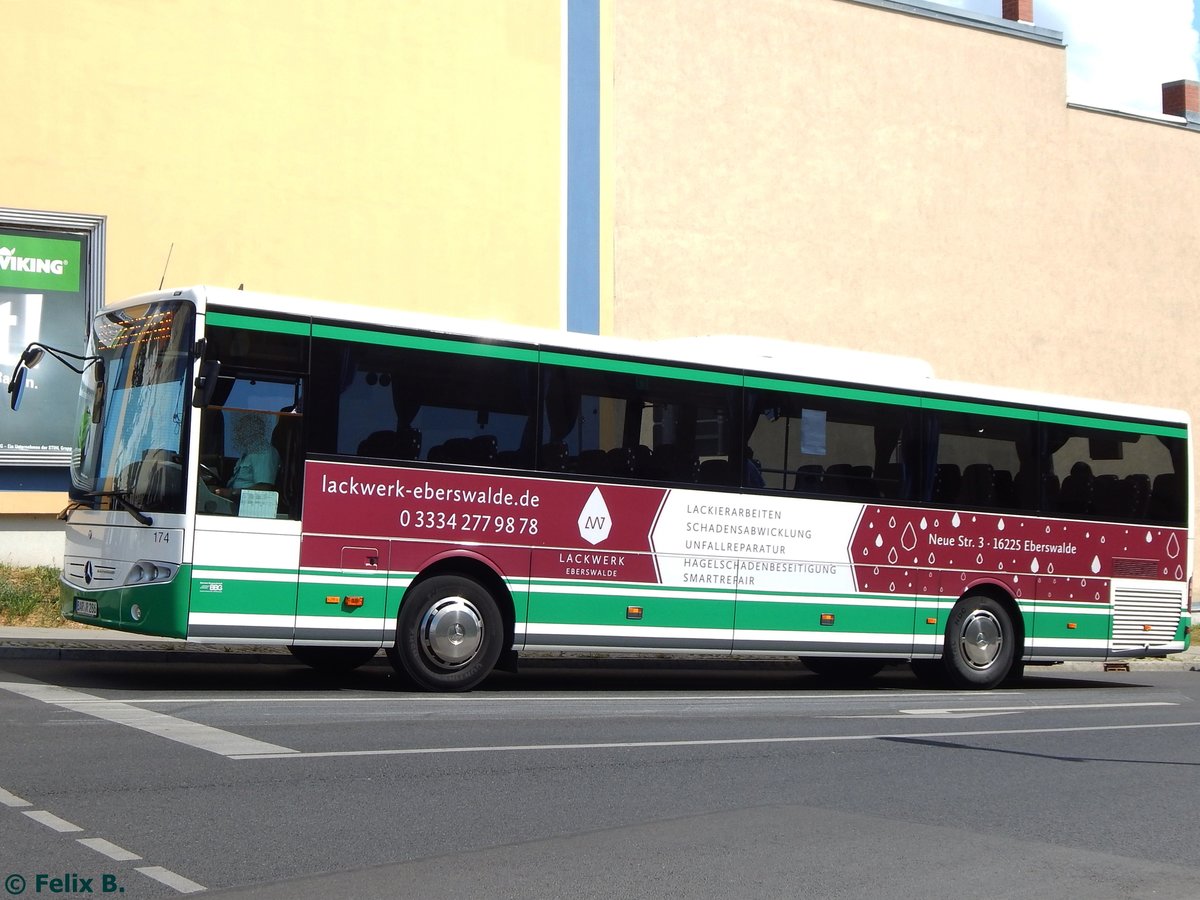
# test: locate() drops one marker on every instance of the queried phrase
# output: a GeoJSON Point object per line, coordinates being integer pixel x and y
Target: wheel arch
{"type": "Point", "coordinates": [477, 568]}
{"type": "Point", "coordinates": [1002, 595]}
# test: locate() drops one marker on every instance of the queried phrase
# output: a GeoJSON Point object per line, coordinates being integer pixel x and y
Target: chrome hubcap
{"type": "Point", "coordinates": [452, 631]}
{"type": "Point", "coordinates": [982, 639]}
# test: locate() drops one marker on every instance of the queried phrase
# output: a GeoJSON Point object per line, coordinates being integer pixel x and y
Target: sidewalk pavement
{"type": "Point", "coordinates": [118, 646]}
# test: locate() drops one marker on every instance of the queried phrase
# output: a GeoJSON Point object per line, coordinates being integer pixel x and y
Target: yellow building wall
{"type": "Point", "coordinates": [402, 154]}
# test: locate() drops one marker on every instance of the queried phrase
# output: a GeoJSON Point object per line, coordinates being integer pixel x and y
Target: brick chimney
{"type": "Point", "coordinates": [1182, 98]}
{"type": "Point", "coordinates": [1018, 11]}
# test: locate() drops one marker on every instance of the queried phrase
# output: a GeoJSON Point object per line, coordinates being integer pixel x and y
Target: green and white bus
{"type": "Point", "coordinates": [340, 480]}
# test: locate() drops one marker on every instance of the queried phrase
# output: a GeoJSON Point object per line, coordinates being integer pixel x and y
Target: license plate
{"type": "Point", "coordinates": [86, 607]}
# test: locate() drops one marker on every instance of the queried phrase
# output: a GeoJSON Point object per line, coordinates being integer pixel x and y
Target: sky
{"type": "Point", "coordinates": [1119, 52]}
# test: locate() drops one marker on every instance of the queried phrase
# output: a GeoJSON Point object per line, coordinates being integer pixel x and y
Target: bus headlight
{"type": "Point", "coordinates": [146, 571]}
{"type": "Point", "coordinates": [135, 613]}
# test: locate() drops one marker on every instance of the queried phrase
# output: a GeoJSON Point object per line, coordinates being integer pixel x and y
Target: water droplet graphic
{"type": "Point", "coordinates": [1172, 546]}
{"type": "Point", "coordinates": [1095, 565]}
{"type": "Point", "coordinates": [908, 539]}
{"type": "Point", "coordinates": [879, 540]}
{"type": "Point", "coordinates": [1050, 569]}
{"type": "Point", "coordinates": [1149, 538]}
{"type": "Point", "coordinates": [924, 523]}
{"type": "Point", "coordinates": [1000, 525]}
{"type": "Point", "coordinates": [1034, 566]}
{"type": "Point", "coordinates": [892, 522]}
{"type": "Point", "coordinates": [956, 521]}
{"type": "Point", "coordinates": [1179, 573]}
{"type": "Point", "coordinates": [893, 556]}
{"type": "Point", "coordinates": [932, 559]}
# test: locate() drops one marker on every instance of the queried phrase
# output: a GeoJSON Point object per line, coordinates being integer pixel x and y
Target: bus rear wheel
{"type": "Point", "coordinates": [449, 634]}
{"type": "Point", "coordinates": [980, 643]}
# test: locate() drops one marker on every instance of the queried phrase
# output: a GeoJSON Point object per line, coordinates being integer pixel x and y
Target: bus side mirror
{"type": "Point", "coordinates": [16, 387]}
{"type": "Point", "coordinates": [206, 383]}
{"type": "Point", "coordinates": [32, 356]}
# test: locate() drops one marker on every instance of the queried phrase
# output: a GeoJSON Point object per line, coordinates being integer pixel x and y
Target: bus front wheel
{"type": "Point", "coordinates": [449, 634]}
{"type": "Point", "coordinates": [980, 643]}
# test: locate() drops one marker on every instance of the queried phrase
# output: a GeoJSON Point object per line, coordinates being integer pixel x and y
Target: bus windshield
{"type": "Point", "coordinates": [130, 445]}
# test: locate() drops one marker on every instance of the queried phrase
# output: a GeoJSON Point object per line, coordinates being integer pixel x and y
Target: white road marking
{"type": "Point", "coordinates": [108, 848]}
{"type": "Point", "coordinates": [12, 800]}
{"type": "Point", "coordinates": [202, 737]}
{"type": "Point", "coordinates": [721, 742]}
{"type": "Point", "coordinates": [171, 879]}
{"type": "Point", "coordinates": [51, 821]}
{"type": "Point", "coordinates": [974, 712]}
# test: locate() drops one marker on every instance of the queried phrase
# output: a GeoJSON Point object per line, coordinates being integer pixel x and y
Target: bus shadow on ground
{"type": "Point", "coordinates": [534, 676]}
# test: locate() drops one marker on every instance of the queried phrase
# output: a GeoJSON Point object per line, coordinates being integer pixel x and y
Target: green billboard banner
{"type": "Point", "coordinates": [39, 263]}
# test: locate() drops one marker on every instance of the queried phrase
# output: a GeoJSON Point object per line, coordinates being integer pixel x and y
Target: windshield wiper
{"type": "Point", "coordinates": [121, 499]}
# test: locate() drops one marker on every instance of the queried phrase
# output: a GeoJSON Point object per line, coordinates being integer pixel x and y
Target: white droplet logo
{"type": "Point", "coordinates": [1095, 565]}
{"type": "Point", "coordinates": [595, 522]}
{"type": "Point", "coordinates": [908, 540]}
{"type": "Point", "coordinates": [1034, 567]}
{"type": "Point", "coordinates": [1172, 546]}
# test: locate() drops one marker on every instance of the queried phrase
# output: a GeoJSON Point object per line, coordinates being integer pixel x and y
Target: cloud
{"type": "Point", "coordinates": [1119, 53]}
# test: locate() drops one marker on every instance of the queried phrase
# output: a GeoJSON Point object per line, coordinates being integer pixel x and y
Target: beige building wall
{"type": "Point", "coordinates": [846, 174]}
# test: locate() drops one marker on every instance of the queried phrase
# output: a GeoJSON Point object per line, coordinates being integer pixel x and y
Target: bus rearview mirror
{"type": "Point", "coordinates": [32, 356]}
{"type": "Point", "coordinates": [206, 383]}
{"type": "Point", "coordinates": [16, 387]}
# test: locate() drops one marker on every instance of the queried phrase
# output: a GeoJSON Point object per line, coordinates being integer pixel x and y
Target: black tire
{"type": "Point", "coordinates": [449, 634]}
{"type": "Point", "coordinates": [333, 660]}
{"type": "Point", "coordinates": [980, 643]}
{"type": "Point", "coordinates": [842, 669]}
{"type": "Point", "coordinates": [930, 672]}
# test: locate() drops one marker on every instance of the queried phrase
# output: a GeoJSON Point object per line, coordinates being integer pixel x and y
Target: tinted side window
{"type": "Point", "coordinates": [834, 447]}
{"type": "Point", "coordinates": [1122, 476]}
{"type": "Point", "coordinates": [388, 402]}
{"type": "Point", "coordinates": [637, 426]}
{"type": "Point", "coordinates": [251, 457]}
{"type": "Point", "coordinates": [981, 461]}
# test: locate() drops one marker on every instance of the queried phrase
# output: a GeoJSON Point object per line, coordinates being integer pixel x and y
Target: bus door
{"type": "Point", "coordinates": [249, 454]}
{"type": "Point", "coordinates": [246, 555]}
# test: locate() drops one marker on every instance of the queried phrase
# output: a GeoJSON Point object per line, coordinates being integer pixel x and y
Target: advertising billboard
{"type": "Point", "coordinates": [43, 286]}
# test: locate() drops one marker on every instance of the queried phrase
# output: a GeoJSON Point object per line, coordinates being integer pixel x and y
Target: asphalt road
{"type": "Point", "coordinates": [155, 779]}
